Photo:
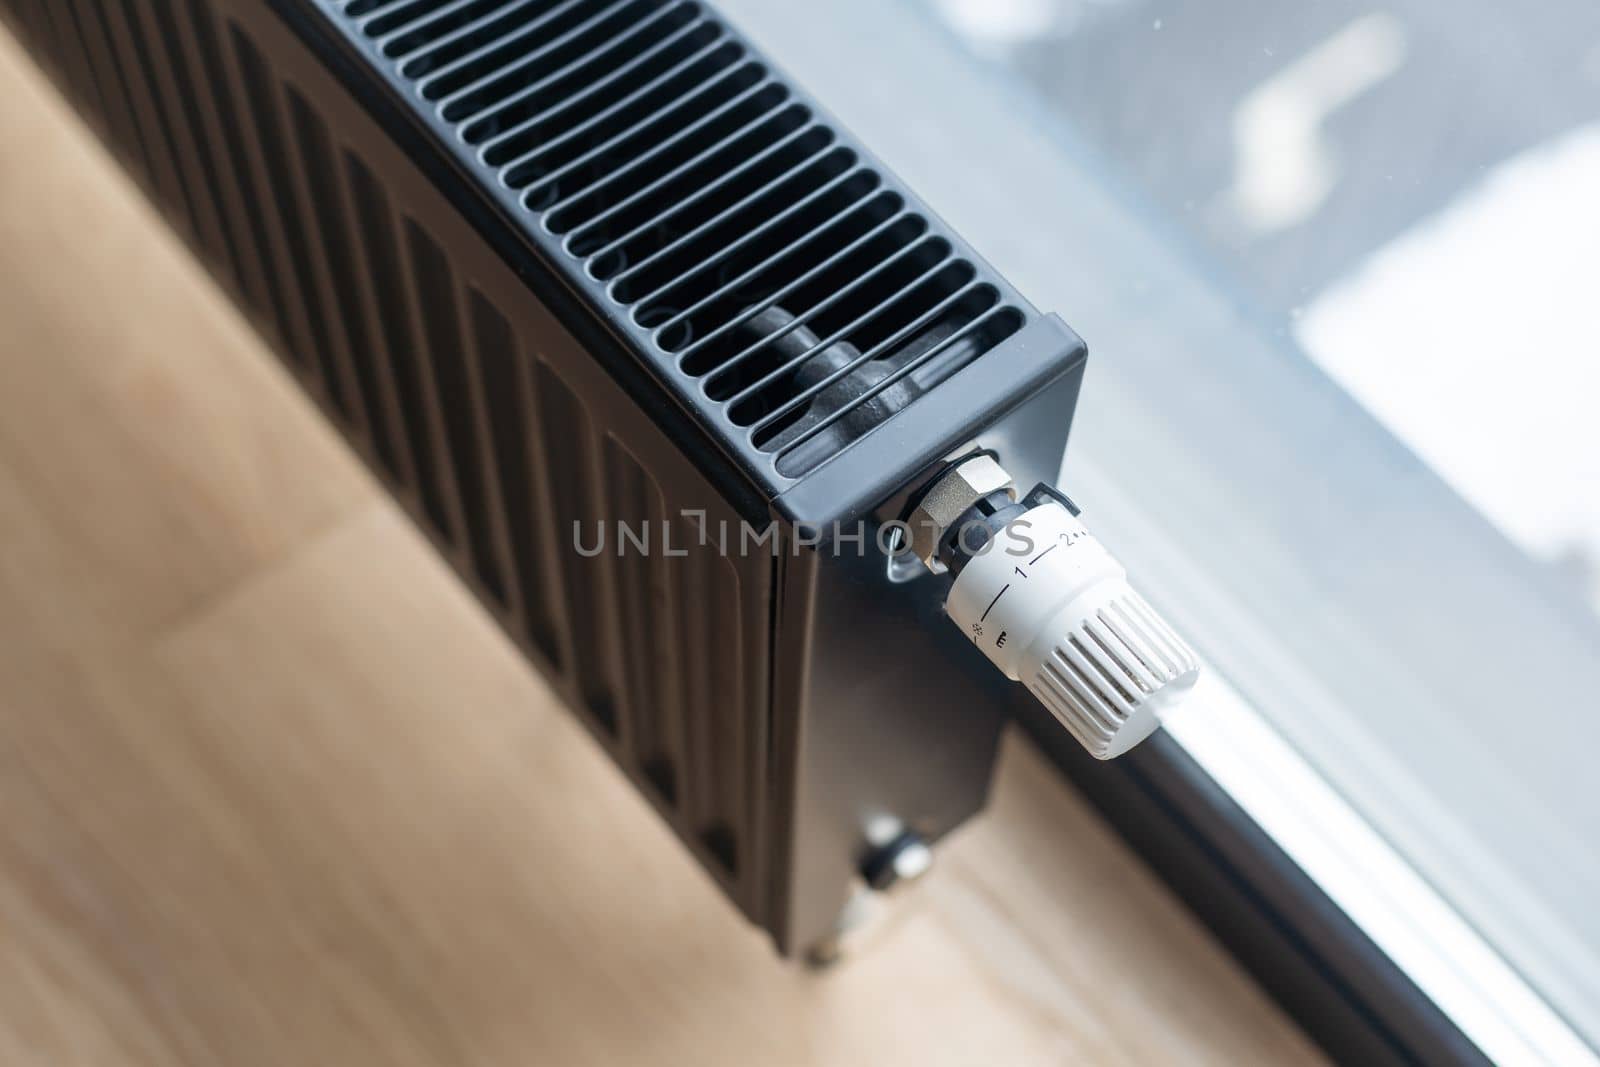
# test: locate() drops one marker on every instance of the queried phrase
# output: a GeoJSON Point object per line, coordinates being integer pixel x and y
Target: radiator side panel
{"type": "Point", "coordinates": [883, 708]}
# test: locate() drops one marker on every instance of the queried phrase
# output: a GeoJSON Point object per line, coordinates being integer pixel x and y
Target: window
{"type": "Point", "coordinates": [1336, 267]}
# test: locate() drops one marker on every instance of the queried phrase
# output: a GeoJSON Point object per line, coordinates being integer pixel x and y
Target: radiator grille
{"type": "Point", "coordinates": [764, 265]}
{"type": "Point", "coordinates": [446, 394]}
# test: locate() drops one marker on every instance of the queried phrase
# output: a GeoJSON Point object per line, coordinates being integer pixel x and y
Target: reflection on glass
{"type": "Point", "coordinates": [1410, 189]}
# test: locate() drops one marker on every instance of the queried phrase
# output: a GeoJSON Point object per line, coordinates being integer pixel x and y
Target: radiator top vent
{"type": "Point", "coordinates": [771, 272]}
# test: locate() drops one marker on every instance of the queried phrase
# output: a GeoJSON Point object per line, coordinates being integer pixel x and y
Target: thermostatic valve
{"type": "Point", "coordinates": [1052, 609]}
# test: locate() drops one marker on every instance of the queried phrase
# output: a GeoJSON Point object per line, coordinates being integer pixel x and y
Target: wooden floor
{"type": "Point", "coordinates": [273, 791]}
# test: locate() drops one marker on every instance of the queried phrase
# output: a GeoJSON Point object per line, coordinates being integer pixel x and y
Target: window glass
{"type": "Point", "coordinates": [1336, 267]}
{"type": "Point", "coordinates": [1410, 188]}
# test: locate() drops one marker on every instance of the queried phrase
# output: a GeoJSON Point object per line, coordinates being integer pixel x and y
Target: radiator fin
{"type": "Point", "coordinates": [255, 116]}
{"type": "Point", "coordinates": [193, 129]}
{"type": "Point", "coordinates": [119, 110]}
{"type": "Point", "coordinates": [58, 23]}
{"type": "Point", "coordinates": [363, 370]}
{"type": "Point", "coordinates": [257, 282]}
{"type": "Point", "coordinates": [457, 394]}
{"type": "Point", "coordinates": [652, 657]}
{"type": "Point", "coordinates": [682, 624]}
{"type": "Point", "coordinates": [752, 252]}
{"type": "Point", "coordinates": [520, 461]}
{"type": "Point", "coordinates": [128, 45]}
{"type": "Point", "coordinates": [566, 430]}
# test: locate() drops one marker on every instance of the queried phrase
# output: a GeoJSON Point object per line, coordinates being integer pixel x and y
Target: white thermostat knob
{"type": "Point", "coordinates": [1053, 610]}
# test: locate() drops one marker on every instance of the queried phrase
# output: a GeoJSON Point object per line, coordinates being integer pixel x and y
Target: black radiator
{"type": "Point", "coordinates": [565, 270]}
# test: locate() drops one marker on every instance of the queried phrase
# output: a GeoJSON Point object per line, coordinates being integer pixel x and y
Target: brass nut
{"type": "Point", "coordinates": [956, 491]}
